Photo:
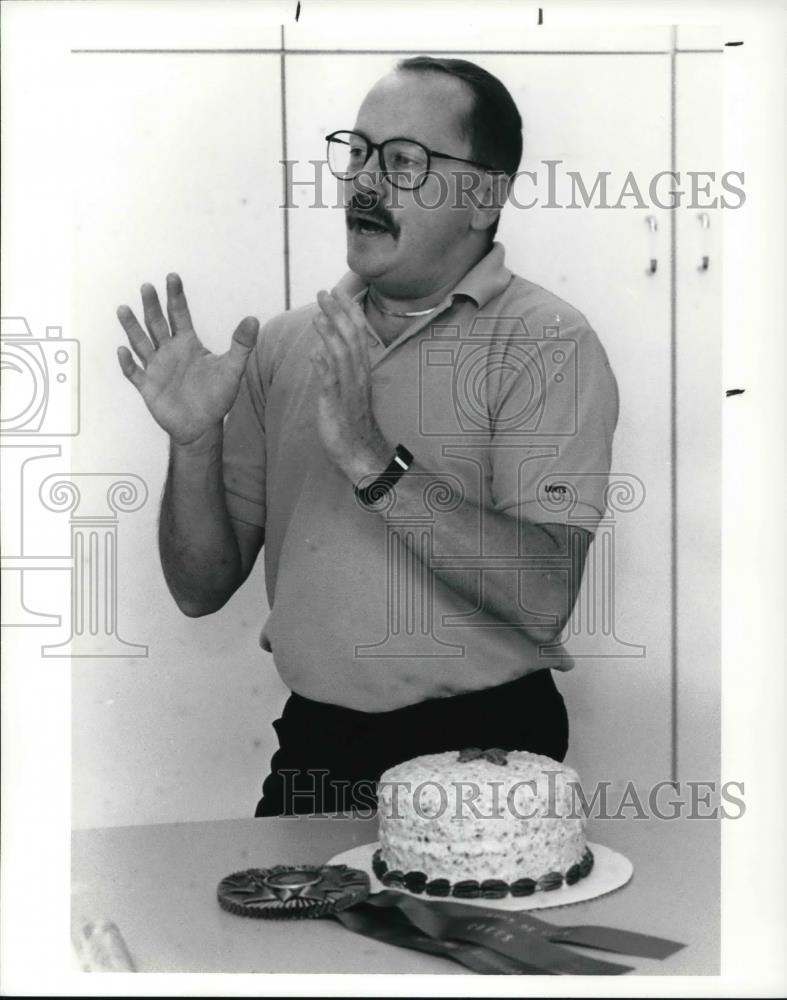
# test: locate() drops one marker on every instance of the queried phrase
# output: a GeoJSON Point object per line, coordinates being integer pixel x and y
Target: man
{"type": "Point", "coordinates": [405, 449]}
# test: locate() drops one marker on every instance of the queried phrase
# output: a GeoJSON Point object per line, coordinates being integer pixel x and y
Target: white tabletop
{"type": "Point", "coordinates": [158, 885]}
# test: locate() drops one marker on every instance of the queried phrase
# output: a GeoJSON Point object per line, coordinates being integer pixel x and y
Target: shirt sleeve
{"type": "Point", "coordinates": [552, 447]}
{"type": "Point", "coordinates": [244, 446]}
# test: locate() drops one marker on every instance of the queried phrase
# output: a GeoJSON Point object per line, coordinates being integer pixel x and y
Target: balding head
{"type": "Point", "coordinates": [412, 240]}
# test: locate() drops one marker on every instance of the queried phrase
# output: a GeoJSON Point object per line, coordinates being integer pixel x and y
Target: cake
{"type": "Point", "coordinates": [480, 823]}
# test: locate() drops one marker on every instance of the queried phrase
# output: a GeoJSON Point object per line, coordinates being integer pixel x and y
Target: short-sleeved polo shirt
{"type": "Point", "coordinates": [505, 391]}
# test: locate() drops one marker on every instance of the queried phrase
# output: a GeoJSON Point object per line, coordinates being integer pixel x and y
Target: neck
{"type": "Point", "coordinates": [386, 311]}
{"type": "Point", "coordinates": [389, 298]}
{"type": "Point", "coordinates": [387, 328]}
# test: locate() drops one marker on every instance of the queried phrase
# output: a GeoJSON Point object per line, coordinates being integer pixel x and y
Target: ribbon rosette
{"type": "Point", "coordinates": [292, 890]}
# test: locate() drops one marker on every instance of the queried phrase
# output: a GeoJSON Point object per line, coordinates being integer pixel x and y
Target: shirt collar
{"type": "Point", "coordinates": [482, 283]}
{"type": "Point", "coordinates": [487, 279]}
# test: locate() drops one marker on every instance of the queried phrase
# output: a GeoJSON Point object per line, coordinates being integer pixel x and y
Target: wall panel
{"type": "Point", "coordinates": [177, 171]}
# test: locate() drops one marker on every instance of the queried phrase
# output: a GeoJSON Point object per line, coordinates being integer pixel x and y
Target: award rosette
{"type": "Point", "coordinates": [287, 892]}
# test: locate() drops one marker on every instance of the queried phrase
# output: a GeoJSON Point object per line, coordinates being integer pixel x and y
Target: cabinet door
{"type": "Point", "coordinates": [594, 112]}
{"type": "Point", "coordinates": [698, 288]}
{"type": "Point", "coordinates": [607, 116]}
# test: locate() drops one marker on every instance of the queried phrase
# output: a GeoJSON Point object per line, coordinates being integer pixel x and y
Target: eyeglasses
{"type": "Point", "coordinates": [405, 162]}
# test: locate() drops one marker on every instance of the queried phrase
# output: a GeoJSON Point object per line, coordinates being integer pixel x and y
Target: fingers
{"type": "Point", "coordinates": [246, 332]}
{"type": "Point", "coordinates": [130, 369]}
{"type": "Point", "coordinates": [243, 341]}
{"type": "Point", "coordinates": [158, 329]}
{"type": "Point", "coordinates": [334, 350]}
{"type": "Point", "coordinates": [360, 326]}
{"type": "Point", "coordinates": [138, 339]}
{"type": "Point", "coordinates": [341, 325]}
{"type": "Point", "coordinates": [339, 313]}
{"type": "Point", "coordinates": [154, 317]}
{"type": "Point", "coordinates": [177, 307]}
{"type": "Point", "coordinates": [355, 311]}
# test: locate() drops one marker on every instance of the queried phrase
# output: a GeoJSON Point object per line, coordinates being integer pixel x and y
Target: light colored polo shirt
{"type": "Point", "coordinates": [506, 392]}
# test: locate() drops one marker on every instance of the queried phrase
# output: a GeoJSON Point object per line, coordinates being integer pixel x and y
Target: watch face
{"type": "Point", "coordinates": [404, 456]}
{"type": "Point", "coordinates": [370, 491]}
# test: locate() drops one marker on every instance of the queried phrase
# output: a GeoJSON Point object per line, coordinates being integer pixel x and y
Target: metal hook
{"type": "Point", "coordinates": [652, 224]}
{"type": "Point", "coordinates": [704, 220]}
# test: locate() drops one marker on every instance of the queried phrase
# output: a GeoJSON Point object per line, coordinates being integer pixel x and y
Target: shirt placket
{"type": "Point", "coordinates": [378, 351]}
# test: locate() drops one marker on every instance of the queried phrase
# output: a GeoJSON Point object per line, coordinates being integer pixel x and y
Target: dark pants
{"type": "Point", "coordinates": [330, 758]}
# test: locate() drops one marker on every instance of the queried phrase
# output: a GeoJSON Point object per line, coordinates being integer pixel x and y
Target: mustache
{"type": "Point", "coordinates": [367, 207]}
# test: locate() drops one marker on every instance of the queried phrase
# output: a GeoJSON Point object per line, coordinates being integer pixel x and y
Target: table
{"type": "Point", "coordinates": [158, 885]}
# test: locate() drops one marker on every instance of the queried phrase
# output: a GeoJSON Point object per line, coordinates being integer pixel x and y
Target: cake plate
{"type": "Point", "coordinates": [610, 871]}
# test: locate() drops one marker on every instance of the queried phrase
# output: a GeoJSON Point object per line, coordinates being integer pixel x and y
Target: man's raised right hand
{"type": "Point", "coordinates": [188, 390]}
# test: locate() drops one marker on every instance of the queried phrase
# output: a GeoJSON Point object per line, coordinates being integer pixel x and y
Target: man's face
{"type": "Point", "coordinates": [418, 249]}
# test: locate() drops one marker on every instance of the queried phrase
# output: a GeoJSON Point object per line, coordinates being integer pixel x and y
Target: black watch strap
{"type": "Point", "coordinates": [377, 488]}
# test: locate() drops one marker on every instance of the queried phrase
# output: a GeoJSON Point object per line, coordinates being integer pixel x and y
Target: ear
{"type": "Point", "coordinates": [488, 198]}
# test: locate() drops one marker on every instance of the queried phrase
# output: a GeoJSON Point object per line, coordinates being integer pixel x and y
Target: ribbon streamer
{"type": "Point", "coordinates": [372, 923]}
{"type": "Point", "coordinates": [587, 935]}
{"type": "Point", "coordinates": [613, 939]}
{"type": "Point", "coordinates": [497, 942]}
{"type": "Point", "coordinates": [484, 927]}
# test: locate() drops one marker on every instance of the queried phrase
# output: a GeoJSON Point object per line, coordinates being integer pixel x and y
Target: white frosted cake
{"type": "Point", "coordinates": [476, 823]}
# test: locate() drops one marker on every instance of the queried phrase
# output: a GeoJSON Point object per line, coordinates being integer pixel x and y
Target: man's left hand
{"type": "Point", "coordinates": [345, 420]}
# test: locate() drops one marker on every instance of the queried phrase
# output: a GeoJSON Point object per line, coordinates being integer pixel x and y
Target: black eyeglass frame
{"type": "Point", "coordinates": [380, 147]}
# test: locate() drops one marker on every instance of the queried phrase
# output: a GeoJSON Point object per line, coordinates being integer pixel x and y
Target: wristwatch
{"type": "Point", "coordinates": [377, 489]}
